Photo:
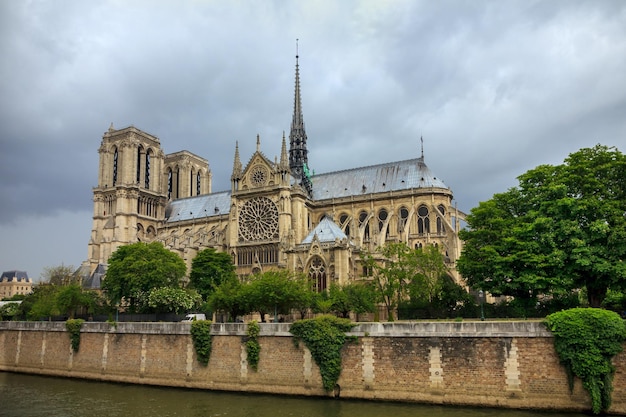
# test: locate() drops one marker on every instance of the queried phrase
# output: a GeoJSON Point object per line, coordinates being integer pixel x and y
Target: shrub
{"type": "Point", "coordinates": [73, 327]}
{"type": "Point", "coordinates": [201, 336]}
{"type": "Point", "coordinates": [324, 336]}
{"type": "Point", "coordinates": [586, 339]}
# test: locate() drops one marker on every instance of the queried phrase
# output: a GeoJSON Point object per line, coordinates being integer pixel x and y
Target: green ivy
{"type": "Point", "coordinates": [73, 327]}
{"type": "Point", "coordinates": [252, 344]}
{"type": "Point", "coordinates": [324, 336]}
{"type": "Point", "coordinates": [586, 339]}
{"type": "Point", "coordinates": [201, 336]}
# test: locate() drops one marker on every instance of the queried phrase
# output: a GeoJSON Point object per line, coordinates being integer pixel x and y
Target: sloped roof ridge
{"type": "Point", "coordinates": [371, 166]}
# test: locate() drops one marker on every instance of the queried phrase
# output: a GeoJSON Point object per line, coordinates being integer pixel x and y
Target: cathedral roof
{"type": "Point", "coordinates": [392, 176]}
{"type": "Point", "coordinates": [198, 207]}
{"type": "Point", "coordinates": [326, 231]}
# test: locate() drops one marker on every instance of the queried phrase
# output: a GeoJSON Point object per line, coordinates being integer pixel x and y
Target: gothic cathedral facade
{"type": "Point", "coordinates": [276, 215]}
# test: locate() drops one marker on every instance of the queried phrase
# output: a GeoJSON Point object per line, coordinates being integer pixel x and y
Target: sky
{"type": "Point", "coordinates": [494, 88]}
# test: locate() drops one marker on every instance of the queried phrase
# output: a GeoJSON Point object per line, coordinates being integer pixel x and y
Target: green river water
{"type": "Point", "coordinates": [32, 396]}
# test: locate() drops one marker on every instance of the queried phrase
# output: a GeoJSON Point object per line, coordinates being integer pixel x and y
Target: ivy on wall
{"type": "Point", "coordinates": [586, 339]}
{"type": "Point", "coordinates": [201, 337]}
{"type": "Point", "coordinates": [252, 344]}
{"type": "Point", "coordinates": [73, 327]}
{"type": "Point", "coordinates": [324, 336]}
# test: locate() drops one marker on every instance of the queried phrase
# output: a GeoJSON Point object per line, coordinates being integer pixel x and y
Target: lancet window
{"type": "Point", "coordinates": [317, 274]}
{"type": "Point", "coordinates": [423, 221]}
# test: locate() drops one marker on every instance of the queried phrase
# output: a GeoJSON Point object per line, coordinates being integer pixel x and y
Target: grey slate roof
{"type": "Point", "coordinates": [18, 276]}
{"type": "Point", "coordinates": [326, 231]}
{"type": "Point", "coordinates": [202, 206]}
{"type": "Point", "coordinates": [392, 176]}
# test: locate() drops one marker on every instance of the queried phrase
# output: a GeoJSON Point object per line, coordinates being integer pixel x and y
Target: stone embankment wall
{"type": "Point", "coordinates": [497, 364]}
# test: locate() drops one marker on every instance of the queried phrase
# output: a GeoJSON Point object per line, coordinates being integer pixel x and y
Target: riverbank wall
{"type": "Point", "coordinates": [494, 364]}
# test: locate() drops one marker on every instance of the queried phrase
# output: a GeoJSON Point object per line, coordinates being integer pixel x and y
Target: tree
{"type": "Point", "coordinates": [355, 297]}
{"type": "Point", "coordinates": [70, 298]}
{"type": "Point", "coordinates": [275, 292]}
{"type": "Point", "coordinates": [230, 298]}
{"type": "Point", "coordinates": [137, 268]}
{"type": "Point", "coordinates": [209, 269]}
{"type": "Point", "coordinates": [60, 275]}
{"type": "Point", "coordinates": [563, 228]}
{"type": "Point", "coordinates": [173, 300]}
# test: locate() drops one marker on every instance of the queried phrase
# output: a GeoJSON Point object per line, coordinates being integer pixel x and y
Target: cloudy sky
{"type": "Point", "coordinates": [494, 87]}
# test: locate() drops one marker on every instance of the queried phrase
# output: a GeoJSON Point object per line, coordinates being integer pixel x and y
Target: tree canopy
{"type": "Point", "coordinates": [563, 228]}
{"type": "Point", "coordinates": [401, 269]}
{"type": "Point", "coordinates": [209, 269]}
{"type": "Point", "coordinates": [137, 268]}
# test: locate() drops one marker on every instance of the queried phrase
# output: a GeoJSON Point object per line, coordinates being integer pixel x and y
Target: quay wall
{"type": "Point", "coordinates": [494, 364]}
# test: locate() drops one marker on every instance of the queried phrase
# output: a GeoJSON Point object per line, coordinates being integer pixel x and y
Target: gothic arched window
{"type": "Point", "coordinates": [362, 221]}
{"type": "Point", "coordinates": [441, 228]}
{"type": "Point", "coordinates": [115, 159]}
{"type": "Point", "coordinates": [317, 274]}
{"type": "Point", "coordinates": [423, 222]}
{"type": "Point", "coordinates": [382, 217]}
{"type": "Point", "coordinates": [198, 183]}
{"type": "Point", "coordinates": [147, 170]}
{"type": "Point", "coordinates": [403, 217]}
{"type": "Point", "coordinates": [169, 183]}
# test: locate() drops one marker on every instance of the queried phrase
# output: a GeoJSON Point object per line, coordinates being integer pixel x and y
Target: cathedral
{"type": "Point", "coordinates": [277, 214]}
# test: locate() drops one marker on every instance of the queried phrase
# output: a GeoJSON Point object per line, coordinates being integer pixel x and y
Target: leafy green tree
{"type": "Point", "coordinates": [209, 269]}
{"type": "Point", "coordinates": [136, 269]}
{"type": "Point", "coordinates": [231, 298]}
{"type": "Point", "coordinates": [41, 303]}
{"type": "Point", "coordinates": [353, 297]}
{"type": "Point", "coordinates": [9, 311]}
{"type": "Point", "coordinates": [70, 298]}
{"type": "Point", "coordinates": [431, 272]}
{"type": "Point", "coordinates": [173, 300]}
{"type": "Point", "coordinates": [563, 228]}
{"type": "Point", "coordinates": [274, 292]}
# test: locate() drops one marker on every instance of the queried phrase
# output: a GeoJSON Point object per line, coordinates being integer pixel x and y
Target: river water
{"type": "Point", "coordinates": [32, 396]}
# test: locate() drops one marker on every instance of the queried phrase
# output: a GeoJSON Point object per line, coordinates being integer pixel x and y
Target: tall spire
{"type": "Point", "coordinates": [237, 167]}
{"type": "Point", "coordinates": [284, 159]}
{"type": "Point", "coordinates": [298, 153]}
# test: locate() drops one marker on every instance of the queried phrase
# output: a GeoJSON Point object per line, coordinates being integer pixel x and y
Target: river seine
{"type": "Point", "coordinates": [32, 396]}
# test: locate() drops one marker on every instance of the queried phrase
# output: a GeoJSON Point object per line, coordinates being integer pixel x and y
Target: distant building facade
{"type": "Point", "coordinates": [15, 282]}
{"type": "Point", "coordinates": [276, 215]}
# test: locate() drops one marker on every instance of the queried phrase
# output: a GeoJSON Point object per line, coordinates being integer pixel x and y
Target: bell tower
{"type": "Point", "coordinates": [130, 198]}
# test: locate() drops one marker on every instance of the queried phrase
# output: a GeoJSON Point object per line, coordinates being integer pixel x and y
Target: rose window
{"type": "Point", "coordinates": [258, 220]}
{"type": "Point", "coordinates": [259, 176]}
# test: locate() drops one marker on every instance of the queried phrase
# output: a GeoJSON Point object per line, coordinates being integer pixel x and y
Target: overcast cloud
{"type": "Point", "coordinates": [494, 87]}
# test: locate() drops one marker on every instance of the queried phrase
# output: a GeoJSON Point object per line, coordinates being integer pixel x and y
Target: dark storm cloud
{"type": "Point", "coordinates": [495, 88]}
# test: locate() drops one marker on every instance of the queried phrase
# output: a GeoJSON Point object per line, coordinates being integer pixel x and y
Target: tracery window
{"type": "Point", "coordinates": [317, 274]}
{"type": "Point", "coordinates": [147, 182]}
{"type": "Point", "coordinates": [115, 159]}
{"type": "Point", "coordinates": [169, 183]}
{"type": "Point", "coordinates": [441, 228]}
{"type": "Point", "coordinates": [403, 217]}
{"type": "Point", "coordinates": [423, 222]}
{"type": "Point", "coordinates": [258, 220]}
{"type": "Point", "coordinates": [382, 217]}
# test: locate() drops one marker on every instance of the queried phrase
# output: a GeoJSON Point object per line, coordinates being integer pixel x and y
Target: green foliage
{"type": "Point", "coordinates": [274, 292]}
{"type": "Point", "coordinates": [136, 269]}
{"type": "Point", "coordinates": [70, 298]}
{"type": "Point", "coordinates": [9, 310]}
{"type": "Point", "coordinates": [229, 297]}
{"type": "Point", "coordinates": [253, 348]}
{"type": "Point", "coordinates": [201, 336]}
{"type": "Point", "coordinates": [586, 339]}
{"type": "Point", "coordinates": [173, 300]}
{"type": "Point", "coordinates": [324, 336]}
{"type": "Point", "coordinates": [209, 270]}
{"type": "Point", "coordinates": [41, 303]}
{"type": "Point", "coordinates": [397, 268]}
{"type": "Point", "coordinates": [73, 327]}
{"type": "Point", "coordinates": [561, 229]}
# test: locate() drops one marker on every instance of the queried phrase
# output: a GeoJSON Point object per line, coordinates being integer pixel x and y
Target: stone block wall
{"type": "Point", "coordinates": [508, 364]}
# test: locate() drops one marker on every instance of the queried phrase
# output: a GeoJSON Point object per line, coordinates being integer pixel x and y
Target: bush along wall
{"type": "Point", "coordinates": [253, 348]}
{"type": "Point", "coordinates": [201, 336]}
{"type": "Point", "coordinates": [324, 336]}
{"type": "Point", "coordinates": [586, 339]}
{"type": "Point", "coordinates": [73, 327]}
